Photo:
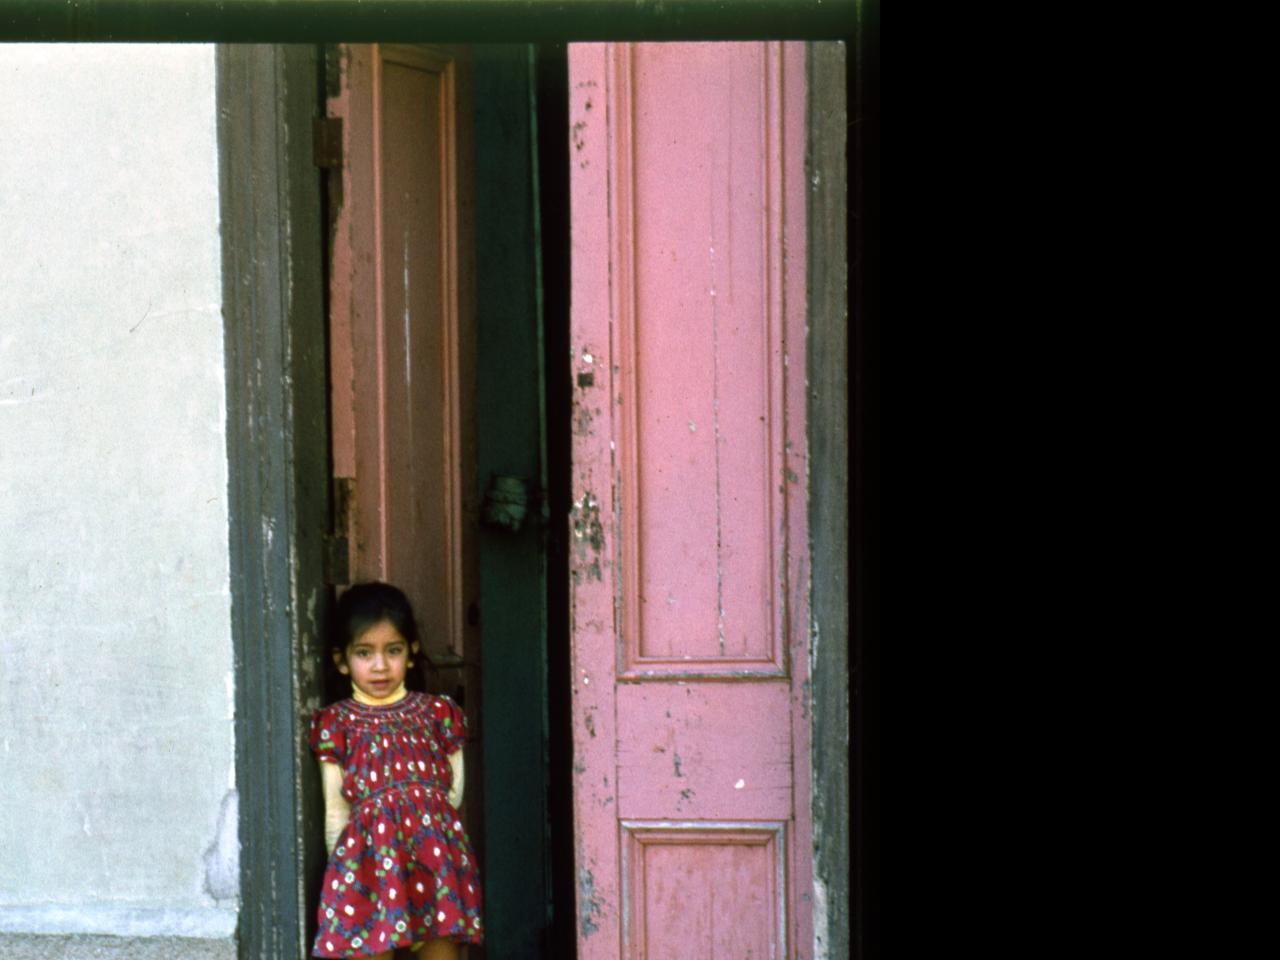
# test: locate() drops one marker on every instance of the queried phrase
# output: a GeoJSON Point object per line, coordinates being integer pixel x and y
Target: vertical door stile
{"type": "Point", "coordinates": [794, 477]}
{"type": "Point", "coordinates": [342, 302]}
{"type": "Point", "coordinates": [593, 544]}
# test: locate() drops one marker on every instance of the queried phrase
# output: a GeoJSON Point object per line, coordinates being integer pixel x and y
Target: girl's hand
{"type": "Point", "coordinates": [455, 792]}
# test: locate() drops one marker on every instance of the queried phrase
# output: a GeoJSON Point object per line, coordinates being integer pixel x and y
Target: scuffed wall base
{"type": "Point", "coordinates": [24, 946]}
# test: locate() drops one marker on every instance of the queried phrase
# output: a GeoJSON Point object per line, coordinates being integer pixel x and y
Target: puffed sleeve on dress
{"type": "Point", "coordinates": [328, 742]}
{"type": "Point", "coordinates": [450, 723]}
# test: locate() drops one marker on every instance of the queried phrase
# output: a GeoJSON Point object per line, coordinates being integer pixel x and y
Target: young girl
{"type": "Point", "coordinates": [401, 871]}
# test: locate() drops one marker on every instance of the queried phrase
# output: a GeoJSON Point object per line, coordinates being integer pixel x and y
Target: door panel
{"type": "Point", "coordinates": [723, 882]}
{"type": "Point", "coordinates": [689, 588]}
{"type": "Point", "coordinates": [701, 358]}
{"type": "Point", "coordinates": [703, 750]}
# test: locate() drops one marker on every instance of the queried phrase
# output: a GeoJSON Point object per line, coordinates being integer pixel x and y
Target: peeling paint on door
{"type": "Point", "coordinates": [588, 904]}
{"type": "Point", "coordinates": [588, 538]}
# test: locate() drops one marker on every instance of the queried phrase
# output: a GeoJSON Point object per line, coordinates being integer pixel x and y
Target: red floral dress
{"type": "Point", "coordinates": [402, 870]}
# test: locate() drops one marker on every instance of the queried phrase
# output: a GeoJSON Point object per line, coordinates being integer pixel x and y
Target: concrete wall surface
{"type": "Point", "coordinates": [118, 805]}
{"type": "Point", "coordinates": [87, 947]}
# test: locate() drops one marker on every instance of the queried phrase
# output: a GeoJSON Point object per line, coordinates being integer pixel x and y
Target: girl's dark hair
{"type": "Point", "coordinates": [367, 604]}
{"type": "Point", "coordinates": [363, 606]}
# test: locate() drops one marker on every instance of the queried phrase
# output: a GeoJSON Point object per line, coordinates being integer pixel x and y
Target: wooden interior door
{"type": "Point", "coordinates": [402, 346]}
{"type": "Point", "coordinates": [688, 576]}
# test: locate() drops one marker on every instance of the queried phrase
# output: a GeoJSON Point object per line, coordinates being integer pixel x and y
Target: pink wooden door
{"type": "Point", "coordinates": [689, 582]}
{"type": "Point", "coordinates": [402, 333]}
{"type": "Point", "coordinates": [402, 345]}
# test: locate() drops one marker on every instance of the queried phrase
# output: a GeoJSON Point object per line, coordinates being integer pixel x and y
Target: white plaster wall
{"type": "Point", "coordinates": [117, 810]}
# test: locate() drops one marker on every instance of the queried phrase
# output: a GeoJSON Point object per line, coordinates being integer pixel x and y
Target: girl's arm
{"type": "Point", "coordinates": [336, 809]}
{"type": "Point", "coordinates": [455, 764]}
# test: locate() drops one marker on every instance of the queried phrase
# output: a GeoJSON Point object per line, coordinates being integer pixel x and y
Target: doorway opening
{"type": "Point", "coordinates": [448, 298]}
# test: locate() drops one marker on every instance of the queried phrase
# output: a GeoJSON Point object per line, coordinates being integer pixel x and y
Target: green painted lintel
{"type": "Point", "coordinates": [451, 21]}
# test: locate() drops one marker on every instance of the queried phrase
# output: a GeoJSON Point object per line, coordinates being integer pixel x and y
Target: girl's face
{"type": "Point", "coordinates": [376, 660]}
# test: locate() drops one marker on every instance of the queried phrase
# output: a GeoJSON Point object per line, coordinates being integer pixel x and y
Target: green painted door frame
{"type": "Point", "coordinates": [510, 419]}
{"type": "Point", "coordinates": [277, 424]}
{"type": "Point", "coordinates": [278, 473]}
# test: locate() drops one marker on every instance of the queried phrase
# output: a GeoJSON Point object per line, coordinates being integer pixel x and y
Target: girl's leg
{"type": "Point", "coordinates": [436, 950]}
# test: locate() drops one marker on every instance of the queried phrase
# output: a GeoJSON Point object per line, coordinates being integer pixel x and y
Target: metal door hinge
{"type": "Point", "coordinates": [326, 142]}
